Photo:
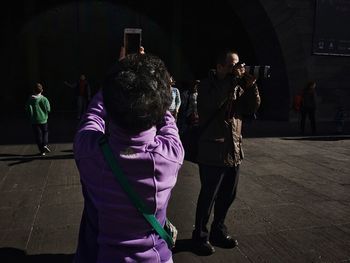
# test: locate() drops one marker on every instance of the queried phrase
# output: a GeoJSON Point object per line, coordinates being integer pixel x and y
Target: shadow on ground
{"type": "Point", "coordinates": [183, 245]}
{"type": "Point", "coordinates": [14, 255]}
{"type": "Point", "coordinates": [186, 245]}
{"type": "Point", "coordinates": [20, 159]}
{"type": "Point", "coordinates": [18, 130]}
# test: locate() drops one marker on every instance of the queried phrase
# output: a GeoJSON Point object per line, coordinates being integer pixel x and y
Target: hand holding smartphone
{"type": "Point", "coordinates": [132, 40]}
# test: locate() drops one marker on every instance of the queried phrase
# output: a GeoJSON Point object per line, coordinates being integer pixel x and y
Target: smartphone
{"type": "Point", "coordinates": [132, 40]}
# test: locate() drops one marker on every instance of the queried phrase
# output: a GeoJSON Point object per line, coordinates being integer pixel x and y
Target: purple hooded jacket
{"type": "Point", "coordinates": [112, 229]}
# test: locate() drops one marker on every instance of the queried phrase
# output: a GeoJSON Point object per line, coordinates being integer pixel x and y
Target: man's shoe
{"type": "Point", "coordinates": [203, 248]}
{"type": "Point", "coordinates": [46, 149]}
{"type": "Point", "coordinates": [223, 241]}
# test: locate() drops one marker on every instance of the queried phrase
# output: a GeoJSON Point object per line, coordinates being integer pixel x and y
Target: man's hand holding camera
{"type": "Point", "coordinates": [238, 70]}
{"type": "Point", "coordinates": [247, 79]}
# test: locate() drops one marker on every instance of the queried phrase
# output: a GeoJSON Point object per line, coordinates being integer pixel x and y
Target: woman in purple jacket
{"type": "Point", "coordinates": [145, 141]}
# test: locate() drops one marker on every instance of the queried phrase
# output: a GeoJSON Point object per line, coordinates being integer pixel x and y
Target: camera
{"type": "Point", "coordinates": [260, 72]}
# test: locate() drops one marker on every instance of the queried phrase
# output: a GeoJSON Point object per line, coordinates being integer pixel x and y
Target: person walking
{"type": "Point", "coordinates": [38, 109]}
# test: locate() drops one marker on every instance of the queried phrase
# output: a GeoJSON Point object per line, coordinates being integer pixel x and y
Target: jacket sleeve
{"type": "Point", "coordinates": [167, 141]}
{"type": "Point", "coordinates": [249, 102]}
{"type": "Point", "coordinates": [94, 118]}
{"type": "Point", "coordinates": [47, 105]}
{"type": "Point", "coordinates": [211, 98]}
{"type": "Point", "coordinates": [91, 128]}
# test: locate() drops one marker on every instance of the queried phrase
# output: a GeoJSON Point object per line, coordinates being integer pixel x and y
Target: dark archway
{"type": "Point", "coordinates": [263, 35]}
{"type": "Point", "coordinates": [55, 41]}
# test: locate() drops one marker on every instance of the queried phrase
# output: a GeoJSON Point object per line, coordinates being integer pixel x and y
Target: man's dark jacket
{"type": "Point", "coordinates": [220, 143]}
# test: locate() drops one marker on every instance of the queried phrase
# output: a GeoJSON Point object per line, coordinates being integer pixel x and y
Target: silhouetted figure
{"type": "Point", "coordinates": [82, 92]}
{"type": "Point", "coordinates": [38, 109]}
{"type": "Point", "coordinates": [308, 107]}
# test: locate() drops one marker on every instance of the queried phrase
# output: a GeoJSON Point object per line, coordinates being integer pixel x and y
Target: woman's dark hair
{"type": "Point", "coordinates": [137, 92]}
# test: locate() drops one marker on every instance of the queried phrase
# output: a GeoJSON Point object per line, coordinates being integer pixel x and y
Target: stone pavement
{"type": "Point", "coordinates": [293, 202]}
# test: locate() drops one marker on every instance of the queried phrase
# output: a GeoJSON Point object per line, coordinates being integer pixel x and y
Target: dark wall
{"type": "Point", "coordinates": [55, 41]}
{"type": "Point", "coordinates": [294, 25]}
{"type": "Point", "coordinates": [58, 42]}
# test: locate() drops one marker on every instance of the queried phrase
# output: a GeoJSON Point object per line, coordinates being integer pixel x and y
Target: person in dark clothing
{"type": "Point", "coordinates": [83, 94]}
{"type": "Point", "coordinates": [223, 98]}
{"type": "Point", "coordinates": [308, 107]}
{"type": "Point", "coordinates": [38, 109]}
{"type": "Point", "coordinates": [176, 99]}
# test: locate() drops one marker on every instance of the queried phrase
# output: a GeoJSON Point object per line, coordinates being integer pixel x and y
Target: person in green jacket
{"type": "Point", "coordinates": [38, 108]}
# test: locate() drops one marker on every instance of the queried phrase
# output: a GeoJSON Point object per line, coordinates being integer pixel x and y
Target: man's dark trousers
{"type": "Point", "coordinates": [311, 113]}
{"type": "Point", "coordinates": [219, 188]}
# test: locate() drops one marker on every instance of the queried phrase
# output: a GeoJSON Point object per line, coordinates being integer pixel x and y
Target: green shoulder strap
{"type": "Point", "coordinates": [138, 203]}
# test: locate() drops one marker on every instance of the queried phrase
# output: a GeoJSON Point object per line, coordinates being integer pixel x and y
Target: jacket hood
{"type": "Point", "coordinates": [36, 97]}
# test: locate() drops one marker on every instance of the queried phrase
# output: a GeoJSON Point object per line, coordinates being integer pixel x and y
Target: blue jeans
{"type": "Point", "coordinates": [41, 133]}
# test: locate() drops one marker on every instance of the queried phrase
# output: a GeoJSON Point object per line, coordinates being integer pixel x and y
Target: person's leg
{"type": "Point", "coordinates": [211, 178]}
{"type": "Point", "coordinates": [312, 120]}
{"type": "Point", "coordinates": [45, 139]}
{"type": "Point", "coordinates": [302, 122]}
{"type": "Point", "coordinates": [225, 197]}
{"type": "Point", "coordinates": [45, 133]}
{"type": "Point", "coordinates": [84, 106]}
{"type": "Point", "coordinates": [219, 235]}
{"type": "Point", "coordinates": [38, 136]}
{"type": "Point", "coordinates": [79, 106]}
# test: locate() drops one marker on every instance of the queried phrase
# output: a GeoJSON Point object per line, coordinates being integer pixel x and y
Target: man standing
{"type": "Point", "coordinates": [38, 108]}
{"type": "Point", "coordinates": [224, 97]}
{"type": "Point", "coordinates": [308, 107]}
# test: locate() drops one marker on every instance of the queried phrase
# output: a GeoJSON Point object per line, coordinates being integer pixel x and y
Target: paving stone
{"type": "Point", "coordinates": [27, 176]}
{"type": "Point", "coordinates": [289, 190]}
{"type": "Point", "coordinates": [53, 240]}
{"type": "Point", "coordinates": [58, 215]}
{"type": "Point", "coordinates": [321, 244]}
{"type": "Point", "coordinates": [270, 247]}
{"type": "Point", "coordinates": [62, 194]}
{"type": "Point", "coordinates": [17, 218]}
{"type": "Point", "coordinates": [334, 212]}
{"type": "Point", "coordinates": [14, 238]}
{"type": "Point", "coordinates": [64, 173]}
{"type": "Point", "coordinates": [18, 199]}
{"type": "Point", "coordinates": [255, 194]}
